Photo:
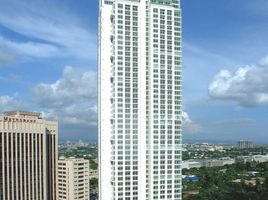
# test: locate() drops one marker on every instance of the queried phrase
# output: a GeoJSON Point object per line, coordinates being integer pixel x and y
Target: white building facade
{"type": "Point", "coordinates": [140, 100]}
{"type": "Point", "coordinates": [28, 157]}
{"type": "Point", "coordinates": [73, 179]}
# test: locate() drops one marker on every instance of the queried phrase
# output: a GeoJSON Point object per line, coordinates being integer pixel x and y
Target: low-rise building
{"type": "Point", "coordinates": [93, 173]}
{"type": "Point", "coordinates": [207, 163]}
{"type": "Point", "coordinates": [227, 160]}
{"type": "Point", "coordinates": [250, 159]}
{"type": "Point", "coordinates": [191, 164]}
{"type": "Point", "coordinates": [73, 179]}
{"type": "Point", "coordinates": [260, 158]}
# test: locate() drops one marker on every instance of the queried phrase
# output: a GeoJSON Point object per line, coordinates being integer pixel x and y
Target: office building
{"type": "Point", "coordinates": [73, 179]}
{"type": "Point", "coordinates": [28, 157]}
{"type": "Point", "coordinates": [139, 100]}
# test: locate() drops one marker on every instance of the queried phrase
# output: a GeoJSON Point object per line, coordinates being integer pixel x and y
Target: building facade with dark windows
{"type": "Point", "coordinates": [28, 157]}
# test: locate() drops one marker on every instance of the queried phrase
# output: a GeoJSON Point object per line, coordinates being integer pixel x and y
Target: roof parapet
{"type": "Point", "coordinates": [23, 113]}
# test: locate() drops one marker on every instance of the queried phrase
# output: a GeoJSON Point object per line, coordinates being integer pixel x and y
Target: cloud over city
{"type": "Point", "coordinates": [247, 85]}
{"type": "Point", "coordinates": [189, 125]}
{"type": "Point", "coordinates": [71, 99]}
{"type": "Point", "coordinates": [8, 102]}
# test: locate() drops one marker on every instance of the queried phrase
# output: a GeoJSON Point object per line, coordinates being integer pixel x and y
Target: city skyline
{"type": "Point", "coordinates": [48, 63]}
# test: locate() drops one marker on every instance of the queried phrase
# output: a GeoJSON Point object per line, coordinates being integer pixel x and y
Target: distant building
{"type": "Point", "coordinates": [73, 179]}
{"type": "Point", "coordinates": [227, 161]}
{"type": "Point", "coordinates": [93, 173]}
{"type": "Point", "coordinates": [191, 164]}
{"type": "Point", "coordinates": [260, 158]}
{"type": "Point", "coordinates": [212, 163]}
{"type": "Point", "coordinates": [219, 148]}
{"type": "Point", "coordinates": [244, 144]}
{"type": "Point", "coordinates": [202, 147]}
{"type": "Point", "coordinates": [250, 159]}
{"type": "Point", "coordinates": [28, 156]}
{"type": "Point", "coordinates": [207, 163]}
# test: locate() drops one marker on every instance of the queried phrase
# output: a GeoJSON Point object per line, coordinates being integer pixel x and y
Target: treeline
{"type": "Point", "coordinates": [232, 182]}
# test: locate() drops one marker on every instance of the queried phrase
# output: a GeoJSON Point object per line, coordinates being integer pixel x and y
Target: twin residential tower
{"type": "Point", "coordinates": [139, 101]}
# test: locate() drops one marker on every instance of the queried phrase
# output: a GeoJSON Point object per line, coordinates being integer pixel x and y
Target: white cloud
{"type": "Point", "coordinates": [197, 61]}
{"type": "Point", "coordinates": [75, 115]}
{"type": "Point", "coordinates": [8, 103]}
{"type": "Point", "coordinates": [73, 87]}
{"type": "Point", "coordinates": [86, 117]}
{"type": "Point", "coordinates": [248, 85]}
{"type": "Point", "coordinates": [189, 125]}
{"type": "Point", "coordinates": [31, 49]}
{"type": "Point", "coordinates": [71, 99]}
{"type": "Point", "coordinates": [5, 100]}
{"type": "Point", "coordinates": [58, 32]}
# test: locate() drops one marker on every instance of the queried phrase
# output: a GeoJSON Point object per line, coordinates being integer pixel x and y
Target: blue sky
{"type": "Point", "coordinates": [48, 64]}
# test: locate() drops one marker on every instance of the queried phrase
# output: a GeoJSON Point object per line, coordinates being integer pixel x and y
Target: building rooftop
{"type": "Point", "coordinates": [168, 2]}
{"type": "Point", "coordinates": [22, 113]}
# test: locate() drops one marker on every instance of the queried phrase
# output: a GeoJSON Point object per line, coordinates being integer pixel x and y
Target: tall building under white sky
{"type": "Point", "coordinates": [28, 157]}
{"type": "Point", "coordinates": [140, 99]}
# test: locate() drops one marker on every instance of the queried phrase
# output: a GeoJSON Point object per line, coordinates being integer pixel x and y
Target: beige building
{"type": "Point", "coordinates": [94, 173]}
{"type": "Point", "coordinates": [28, 157]}
{"type": "Point", "coordinates": [73, 179]}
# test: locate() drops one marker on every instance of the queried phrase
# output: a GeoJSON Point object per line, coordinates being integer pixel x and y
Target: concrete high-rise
{"type": "Point", "coordinates": [139, 99]}
{"type": "Point", "coordinates": [28, 157]}
{"type": "Point", "coordinates": [73, 179]}
{"type": "Point", "coordinates": [244, 144]}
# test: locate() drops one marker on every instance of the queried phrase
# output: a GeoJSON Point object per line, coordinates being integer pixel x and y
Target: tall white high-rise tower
{"type": "Point", "coordinates": [140, 100]}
